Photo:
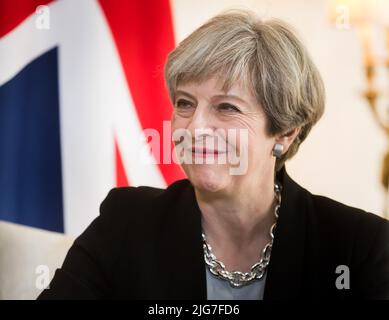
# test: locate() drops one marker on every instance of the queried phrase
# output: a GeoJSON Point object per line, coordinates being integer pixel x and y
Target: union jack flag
{"type": "Point", "coordinates": [79, 82]}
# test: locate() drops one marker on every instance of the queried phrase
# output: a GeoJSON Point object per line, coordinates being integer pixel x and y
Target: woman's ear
{"type": "Point", "coordinates": [287, 139]}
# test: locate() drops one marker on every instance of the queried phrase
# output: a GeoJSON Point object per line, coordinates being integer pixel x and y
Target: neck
{"type": "Point", "coordinates": [239, 218]}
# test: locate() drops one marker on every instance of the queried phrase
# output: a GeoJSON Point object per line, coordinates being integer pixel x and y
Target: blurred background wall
{"type": "Point", "coordinates": [96, 68]}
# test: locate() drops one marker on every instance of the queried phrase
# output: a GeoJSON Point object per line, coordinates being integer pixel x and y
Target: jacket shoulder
{"type": "Point", "coordinates": [143, 194]}
{"type": "Point", "coordinates": [131, 202]}
{"type": "Point", "coordinates": [338, 213]}
{"type": "Point", "coordinates": [362, 234]}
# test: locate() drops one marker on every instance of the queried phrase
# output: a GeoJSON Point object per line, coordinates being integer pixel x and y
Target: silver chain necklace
{"type": "Point", "coordinates": [238, 278]}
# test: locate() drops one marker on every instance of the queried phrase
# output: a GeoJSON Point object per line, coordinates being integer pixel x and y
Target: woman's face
{"type": "Point", "coordinates": [216, 125]}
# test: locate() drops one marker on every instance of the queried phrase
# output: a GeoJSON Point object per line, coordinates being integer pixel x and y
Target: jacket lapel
{"type": "Point", "coordinates": [181, 262]}
{"type": "Point", "coordinates": [285, 271]}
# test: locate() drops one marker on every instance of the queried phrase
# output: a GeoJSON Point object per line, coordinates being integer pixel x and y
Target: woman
{"type": "Point", "coordinates": [255, 234]}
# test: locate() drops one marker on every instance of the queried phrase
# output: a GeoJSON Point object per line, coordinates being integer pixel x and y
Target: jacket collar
{"type": "Point", "coordinates": [182, 254]}
{"type": "Point", "coordinates": [285, 270]}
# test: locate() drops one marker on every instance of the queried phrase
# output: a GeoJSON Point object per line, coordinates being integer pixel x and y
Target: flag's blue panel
{"type": "Point", "coordinates": [30, 153]}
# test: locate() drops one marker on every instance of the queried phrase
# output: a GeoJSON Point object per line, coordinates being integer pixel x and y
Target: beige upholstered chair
{"type": "Point", "coordinates": [28, 259]}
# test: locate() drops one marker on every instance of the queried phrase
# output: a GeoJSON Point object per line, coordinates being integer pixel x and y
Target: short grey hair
{"type": "Point", "coordinates": [266, 56]}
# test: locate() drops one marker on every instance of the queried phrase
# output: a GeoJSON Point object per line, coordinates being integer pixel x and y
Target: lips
{"type": "Point", "coordinates": [205, 151]}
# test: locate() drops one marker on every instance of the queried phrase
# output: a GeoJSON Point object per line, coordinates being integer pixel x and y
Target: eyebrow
{"type": "Point", "coordinates": [219, 96]}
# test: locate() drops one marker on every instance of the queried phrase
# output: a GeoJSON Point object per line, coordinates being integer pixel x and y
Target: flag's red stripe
{"type": "Point", "coordinates": [143, 33]}
{"type": "Point", "coordinates": [121, 177]}
{"type": "Point", "coordinates": [13, 12]}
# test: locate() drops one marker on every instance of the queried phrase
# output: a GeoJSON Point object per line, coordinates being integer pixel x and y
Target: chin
{"type": "Point", "coordinates": [208, 178]}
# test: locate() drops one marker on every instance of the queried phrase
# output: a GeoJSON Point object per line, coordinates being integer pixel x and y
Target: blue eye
{"type": "Point", "coordinates": [228, 107]}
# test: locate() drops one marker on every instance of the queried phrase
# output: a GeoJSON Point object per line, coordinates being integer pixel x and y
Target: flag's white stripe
{"type": "Point", "coordinates": [94, 103]}
{"type": "Point", "coordinates": [128, 129]}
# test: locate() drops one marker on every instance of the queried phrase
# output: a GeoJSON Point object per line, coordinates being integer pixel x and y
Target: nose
{"type": "Point", "coordinates": [201, 122]}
